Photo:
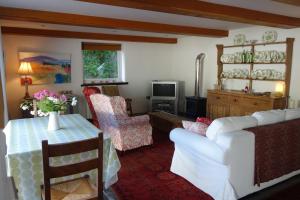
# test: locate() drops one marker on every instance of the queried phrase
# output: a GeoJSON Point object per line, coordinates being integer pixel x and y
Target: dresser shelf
{"type": "Point", "coordinates": [256, 44]}
{"type": "Point", "coordinates": [289, 42]}
{"type": "Point", "coordinates": [255, 63]}
{"type": "Point", "coordinates": [254, 79]}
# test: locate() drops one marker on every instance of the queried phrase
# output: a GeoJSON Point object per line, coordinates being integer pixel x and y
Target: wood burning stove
{"type": "Point", "coordinates": [196, 105]}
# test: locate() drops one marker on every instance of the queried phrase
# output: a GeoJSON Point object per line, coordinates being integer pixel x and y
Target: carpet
{"type": "Point", "coordinates": [145, 175]}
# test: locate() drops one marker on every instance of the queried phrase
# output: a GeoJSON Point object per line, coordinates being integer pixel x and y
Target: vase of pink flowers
{"type": "Point", "coordinates": [52, 104]}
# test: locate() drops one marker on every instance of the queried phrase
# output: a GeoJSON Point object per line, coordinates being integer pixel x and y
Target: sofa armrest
{"type": "Point", "coordinates": [198, 144]}
{"type": "Point", "coordinates": [236, 139]}
{"type": "Point", "coordinates": [240, 148]}
{"type": "Point", "coordinates": [141, 119]}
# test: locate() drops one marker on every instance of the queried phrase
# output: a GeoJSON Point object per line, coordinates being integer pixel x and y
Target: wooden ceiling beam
{"type": "Point", "coordinates": [84, 35]}
{"type": "Point", "coordinates": [102, 22]}
{"type": "Point", "coordinates": [291, 2]}
{"type": "Point", "coordinates": [207, 10]}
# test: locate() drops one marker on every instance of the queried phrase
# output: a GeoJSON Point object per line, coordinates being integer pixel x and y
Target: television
{"type": "Point", "coordinates": [164, 90]}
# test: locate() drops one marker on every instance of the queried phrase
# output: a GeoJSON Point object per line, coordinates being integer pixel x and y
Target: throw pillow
{"type": "Point", "coordinates": [195, 127]}
{"type": "Point", "coordinates": [204, 120]}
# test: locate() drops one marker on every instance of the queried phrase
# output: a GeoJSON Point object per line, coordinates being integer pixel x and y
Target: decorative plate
{"type": "Point", "coordinates": [239, 39]}
{"type": "Point", "coordinates": [269, 36]}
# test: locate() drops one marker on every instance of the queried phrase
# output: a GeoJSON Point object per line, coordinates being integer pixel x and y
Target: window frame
{"type": "Point", "coordinates": [120, 64]}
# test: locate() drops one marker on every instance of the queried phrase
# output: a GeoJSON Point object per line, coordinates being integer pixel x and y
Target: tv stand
{"type": "Point", "coordinates": [167, 105]}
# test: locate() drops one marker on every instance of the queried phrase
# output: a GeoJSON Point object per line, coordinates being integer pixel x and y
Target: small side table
{"type": "Point", "coordinates": [163, 122]}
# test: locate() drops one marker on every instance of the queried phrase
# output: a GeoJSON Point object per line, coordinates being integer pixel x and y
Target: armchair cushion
{"type": "Point", "coordinates": [229, 124]}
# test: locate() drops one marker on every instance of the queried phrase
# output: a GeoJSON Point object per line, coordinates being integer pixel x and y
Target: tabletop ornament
{"type": "Point", "coordinates": [52, 104]}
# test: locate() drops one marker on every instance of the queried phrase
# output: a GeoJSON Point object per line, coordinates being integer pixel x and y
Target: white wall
{"type": "Point", "coordinates": [143, 63]}
{"type": "Point", "coordinates": [183, 62]}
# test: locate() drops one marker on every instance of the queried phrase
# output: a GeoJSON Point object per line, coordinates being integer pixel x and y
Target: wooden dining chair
{"type": "Point", "coordinates": [76, 189]}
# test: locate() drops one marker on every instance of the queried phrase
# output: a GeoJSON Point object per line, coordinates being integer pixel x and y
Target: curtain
{"type": "Point", "coordinates": [3, 102]}
{"type": "Point", "coordinates": [4, 186]}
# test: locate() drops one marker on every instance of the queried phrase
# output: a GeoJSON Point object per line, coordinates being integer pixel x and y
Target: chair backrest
{"type": "Point", "coordinates": [109, 110]}
{"type": "Point", "coordinates": [63, 149]}
{"type": "Point", "coordinates": [113, 90]}
{"type": "Point", "coordinates": [88, 91]}
{"type": "Point", "coordinates": [110, 90]}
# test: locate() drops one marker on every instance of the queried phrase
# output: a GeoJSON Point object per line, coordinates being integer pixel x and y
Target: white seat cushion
{"type": "Point", "coordinates": [269, 117]}
{"type": "Point", "coordinates": [229, 124]}
{"type": "Point", "coordinates": [292, 114]}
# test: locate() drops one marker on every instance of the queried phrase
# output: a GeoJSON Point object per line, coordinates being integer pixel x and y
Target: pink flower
{"type": "Point", "coordinates": [53, 94]}
{"type": "Point", "coordinates": [41, 94]}
{"type": "Point", "coordinates": [63, 98]}
{"type": "Point", "coordinates": [45, 93]}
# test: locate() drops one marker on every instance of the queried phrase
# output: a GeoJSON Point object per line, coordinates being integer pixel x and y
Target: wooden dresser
{"type": "Point", "coordinates": [234, 103]}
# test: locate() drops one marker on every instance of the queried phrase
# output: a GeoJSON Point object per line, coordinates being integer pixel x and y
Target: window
{"type": "Point", "coordinates": [102, 62]}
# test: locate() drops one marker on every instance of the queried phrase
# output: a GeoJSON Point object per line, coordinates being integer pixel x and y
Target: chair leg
{"type": "Point", "coordinates": [128, 106]}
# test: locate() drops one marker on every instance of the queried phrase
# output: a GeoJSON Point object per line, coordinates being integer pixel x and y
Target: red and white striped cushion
{"type": "Point", "coordinates": [196, 127]}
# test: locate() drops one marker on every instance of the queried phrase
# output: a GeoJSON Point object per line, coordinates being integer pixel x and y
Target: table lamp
{"type": "Point", "coordinates": [24, 70]}
{"type": "Point", "coordinates": [279, 90]}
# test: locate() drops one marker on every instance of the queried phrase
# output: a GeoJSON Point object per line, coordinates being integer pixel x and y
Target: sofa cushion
{"type": "Point", "coordinates": [195, 127]}
{"type": "Point", "coordinates": [198, 145]}
{"type": "Point", "coordinates": [269, 117]}
{"type": "Point", "coordinates": [292, 114]}
{"type": "Point", "coordinates": [229, 124]}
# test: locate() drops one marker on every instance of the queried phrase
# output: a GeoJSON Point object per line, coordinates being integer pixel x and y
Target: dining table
{"type": "Point", "coordinates": [24, 152]}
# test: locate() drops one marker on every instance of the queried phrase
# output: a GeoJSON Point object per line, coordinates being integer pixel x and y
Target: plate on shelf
{"type": "Point", "coordinates": [239, 39]}
{"type": "Point", "coordinates": [269, 36]}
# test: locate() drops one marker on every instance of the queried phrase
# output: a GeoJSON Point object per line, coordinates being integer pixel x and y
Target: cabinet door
{"type": "Point", "coordinates": [254, 105]}
{"type": "Point", "coordinates": [217, 111]}
{"type": "Point", "coordinates": [235, 106]}
{"type": "Point", "coordinates": [217, 106]}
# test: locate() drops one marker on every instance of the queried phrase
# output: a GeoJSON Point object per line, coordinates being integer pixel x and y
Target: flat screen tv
{"type": "Point", "coordinates": [164, 89]}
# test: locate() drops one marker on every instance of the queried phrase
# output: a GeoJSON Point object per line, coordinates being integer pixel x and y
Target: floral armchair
{"type": "Point", "coordinates": [126, 132]}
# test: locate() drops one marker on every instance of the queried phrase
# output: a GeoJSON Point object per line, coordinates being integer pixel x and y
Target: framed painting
{"type": "Point", "coordinates": [48, 68]}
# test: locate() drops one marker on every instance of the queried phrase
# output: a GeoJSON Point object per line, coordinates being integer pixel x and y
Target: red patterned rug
{"type": "Point", "coordinates": [145, 175]}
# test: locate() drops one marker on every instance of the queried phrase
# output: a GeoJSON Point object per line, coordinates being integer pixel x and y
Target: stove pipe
{"type": "Point", "coordinates": [199, 74]}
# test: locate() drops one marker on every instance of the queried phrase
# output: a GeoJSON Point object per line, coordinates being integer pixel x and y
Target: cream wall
{"type": "Point", "coordinates": [143, 62]}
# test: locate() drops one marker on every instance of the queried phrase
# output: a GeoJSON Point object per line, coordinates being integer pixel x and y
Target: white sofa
{"type": "Point", "coordinates": [222, 164]}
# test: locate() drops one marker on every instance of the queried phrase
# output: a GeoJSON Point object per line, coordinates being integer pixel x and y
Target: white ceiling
{"type": "Point", "coordinates": [76, 7]}
{"type": "Point", "coordinates": [262, 5]}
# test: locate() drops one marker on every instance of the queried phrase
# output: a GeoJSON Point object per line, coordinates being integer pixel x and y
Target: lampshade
{"type": "Point", "coordinates": [25, 68]}
{"type": "Point", "coordinates": [279, 87]}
